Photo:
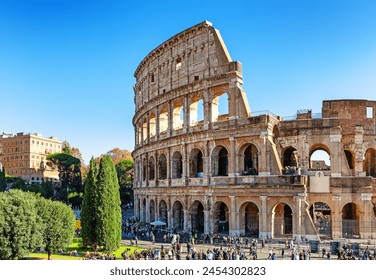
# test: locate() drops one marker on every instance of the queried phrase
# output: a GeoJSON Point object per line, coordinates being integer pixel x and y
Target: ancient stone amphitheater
{"type": "Point", "coordinates": [205, 163]}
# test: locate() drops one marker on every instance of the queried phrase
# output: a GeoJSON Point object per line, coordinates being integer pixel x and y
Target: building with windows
{"type": "Point", "coordinates": [235, 172]}
{"type": "Point", "coordinates": [25, 156]}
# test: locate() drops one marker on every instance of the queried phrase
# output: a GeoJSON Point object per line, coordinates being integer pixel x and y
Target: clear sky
{"type": "Point", "coordinates": [66, 66]}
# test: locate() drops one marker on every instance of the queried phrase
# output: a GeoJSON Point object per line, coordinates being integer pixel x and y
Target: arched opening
{"type": "Point", "coordinates": [196, 111]}
{"type": "Point", "coordinates": [197, 217]}
{"type": "Point", "coordinates": [152, 210]}
{"type": "Point", "coordinates": [144, 130]}
{"type": "Point", "coordinates": [250, 160]}
{"type": "Point", "coordinates": [220, 107]}
{"type": "Point", "coordinates": [162, 167]}
{"type": "Point", "coordinates": [144, 170]}
{"type": "Point", "coordinates": [177, 216]}
{"type": "Point", "coordinates": [321, 216]}
{"type": "Point", "coordinates": [143, 213]}
{"type": "Point", "coordinates": [151, 168]}
{"type": "Point", "coordinates": [290, 158]}
{"type": "Point", "coordinates": [196, 164]}
{"type": "Point", "coordinates": [369, 163]}
{"type": "Point", "coordinates": [163, 212]}
{"type": "Point", "coordinates": [350, 221]}
{"type": "Point", "coordinates": [178, 116]}
{"type": "Point", "coordinates": [152, 125]}
{"type": "Point", "coordinates": [251, 219]}
{"type": "Point", "coordinates": [282, 220]}
{"type": "Point", "coordinates": [163, 120]}
{"type": "Point", "coordinates": [220, 161]}
{"type": "Point", "coordinates": [177, 165]}
{"type": "Point", "coordinates": [319, 159]}
{"type": "Point", "coordinates": [350, 159]}
{"type": "Point", "coordinates": [221, 218]}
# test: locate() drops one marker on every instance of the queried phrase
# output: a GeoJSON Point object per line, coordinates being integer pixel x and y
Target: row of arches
{"type": "Point", "coordinates": [193, 218]}
{"type": "Point", "coordinates": [157, 167]}
{"type": "Point", "coordinates": [175, 115]}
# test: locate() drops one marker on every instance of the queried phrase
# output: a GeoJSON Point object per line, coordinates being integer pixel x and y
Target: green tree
{"type": "Point", "coordinates": [69, 174]}
{"type": "Point", "coordinates": [108, 210]}
{"type": "Point", "coordinates": [20, 226]}
{"type": "Point", "coordinates": [124, 170]}
{"type": "Point", "coordinates": [3, 183]}
{"type": "Point", "coordinates": [59, 224]}
{"type": "Point", "coordinates": [88, 222]}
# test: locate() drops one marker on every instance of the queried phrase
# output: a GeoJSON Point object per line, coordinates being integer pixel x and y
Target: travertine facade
{"type": "Point", "coordinates": [199, 168]}
{"type": "Point", "coordinates": [25, 156]}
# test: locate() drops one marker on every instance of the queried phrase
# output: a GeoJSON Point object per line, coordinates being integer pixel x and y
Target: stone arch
{"type": "Point", "coordinates": [163, 120]}
{"type": "Point", "coordinates": [369, 163]}
{"type": "Point", "coordinates": [320, 213]}
{"type": "Point", "coordinates": [290, 157]}
{"type": "Point", "coordinates": [220, 161]}
{"type": "Point", "coordinates": [220, 106]}
{"type": "Point", "coordinates": [162, 163]}
{"type": "Point", "coordinates": [249, 213]}
{"type": "Point", "coordinates": [151, 168]}
{"type": "Point", "coordinates": [177, 216]}
{"type": "Point", "coordinates": [196, 110]}
{"type": "Point", "coordinates": [197, 216]}
{"type": "Point", "coordinates": [177, 114]}
{"type": "Point", "coordinates": [221, 218]}
{"type": "Point", "coordinates": [350, 220]}
{"type": "Point", "coordinates": [152, 210]}
{"type": "Point", "coordinates": [350, 158]}
{"type": "Point", "coordinates": [152, 124]}
{"type": "Point", "coordinates": [196, 163]}
{"type": "Point", "coordinates": [250, 160]}
{"type": "Point", "coordinates": [163, 211]}
{"type": "Point", "coordinates": [144, 129]}
{"type": "Point", "coordinates": [282, 223]}
{"type": "Point", "coordinates": [177, 165]}
{"type": "Point", "coordinates": [319, 157]}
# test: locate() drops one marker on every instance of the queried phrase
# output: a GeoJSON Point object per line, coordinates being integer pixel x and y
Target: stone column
{"type": "Point", "coordinates": [207, 110]}
{"type": "Point", "coordinates": [366, 217]}
{"type": "Point", "coordinates": [170, 119]}
{"type": "Point", "coordinates": [234, 218]}
{"type": "Point", "coordinates": [263, 220]}
{"type": "Point", "coordinates": [147, 210]}
{"type": "Point", "coordinates": [232, 172]}
{"type": "Point", "coordinates": [187, 220]}
{"type": "Point", "coordinates": [336, 152]}
{"type": "Point", "coordinates": [297, 217]}
{"type": "Point", "coordinates": [207, 221]}
{"type": "Point", "coordinates": [358, 166]}
{"type": "Point", "coordinates": [186, 115]}
{"type": "Point", "coordinates": [336, 215]}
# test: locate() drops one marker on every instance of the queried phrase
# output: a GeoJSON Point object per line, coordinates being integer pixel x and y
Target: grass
{"type": "Point", "coordinates": [78, 246]}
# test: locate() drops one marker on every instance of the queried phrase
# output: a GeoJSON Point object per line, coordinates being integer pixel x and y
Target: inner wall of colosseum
{"type": "Point", "coordinates": [204, 163]}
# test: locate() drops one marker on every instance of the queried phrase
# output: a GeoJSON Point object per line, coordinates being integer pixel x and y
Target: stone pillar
{"type": "Point", "coordinates": [186, 115]}
{"type": "Point", "coordinates": [207, 221]}
{"type": "Point", "coordinates": [207, 110]}
{"type": "Point", "coordinates": [336, 215]}
{"type": "Point", "coordinates": [336, 152]}
{"type": "Point", "coordinates": [187, 220]}
{"type": "Point", "coordinates": [264, 231]}
{"type": "Point", "coordinates": [358, 166]}
{"type": "Point", "coordinates": [136, 206]}
{"type": "Point", "coordinates": [232, 171]}
{"type": "Point", "coordinates": [366, 217]}
{"type": "Point", "coordinates": [147, 210]}
{"type": "Point", "coordinates": [234, 218]}
{"type": "Point", "coordinates": [170, 119]}
{"type": "Point", "coordinates": [297, 217]}
{"type": "Point", "coordinates": [207, 164]}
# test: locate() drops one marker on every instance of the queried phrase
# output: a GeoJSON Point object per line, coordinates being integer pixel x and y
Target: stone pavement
{"type": "Point", "coordinates": [262, 253]}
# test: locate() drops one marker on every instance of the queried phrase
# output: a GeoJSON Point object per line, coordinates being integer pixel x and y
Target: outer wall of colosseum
{"type": "Point", "coordinates": [205, 163]}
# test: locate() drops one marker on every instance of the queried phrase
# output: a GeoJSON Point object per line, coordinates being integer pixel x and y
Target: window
{"type": "Point", "coordinates": [369, 112]}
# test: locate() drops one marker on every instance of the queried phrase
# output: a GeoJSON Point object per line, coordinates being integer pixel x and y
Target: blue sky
{"type": "Point", "coordinates": [66, 67]}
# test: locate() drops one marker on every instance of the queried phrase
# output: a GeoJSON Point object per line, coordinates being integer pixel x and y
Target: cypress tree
{"type": "Point", "coordinates": [108, 209]}
{"type": "Point", "coordinates": [88, 222]}
{"type": "Point", "coordinates": [3, 184]}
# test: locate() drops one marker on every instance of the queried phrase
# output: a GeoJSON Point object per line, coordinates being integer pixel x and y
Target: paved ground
{"type": "Point", "coordinates": [262, 253]}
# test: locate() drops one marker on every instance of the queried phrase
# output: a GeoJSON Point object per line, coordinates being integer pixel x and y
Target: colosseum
{"type": "Point", "coordinates": [205, 163]}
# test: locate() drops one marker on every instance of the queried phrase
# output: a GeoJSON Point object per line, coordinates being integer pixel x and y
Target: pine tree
{"type": "Point", "coordinates": [88, 222]}
{"type": "Point", "coordinates": [108, 210]}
